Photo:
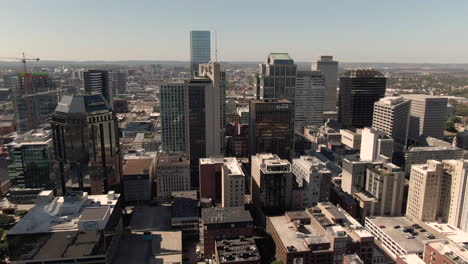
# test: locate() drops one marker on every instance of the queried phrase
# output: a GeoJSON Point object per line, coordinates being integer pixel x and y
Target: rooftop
{"type": "Point", "coordinates": [185, 204]}
{"type": "Point", "coordinates": [423, 97]}
{"type": "Point", "coordinates": [279, 57]}
{"type": "Point", "coordinates": [412, 259]}
{"type": "Point", "coordinates": [392, 100]}
{"type": "Point", "coordinates": [82, 104]}
{"type": "Point", "coordinates": [232, 167]}
{"type": "Point", "coordinates": [172, 159]}
{"type": "Point", "coordinates": [236, 250]}
{"type": "Point", "coordinates": [457, 252]}
{"type": "Point", "coordinates": [387, 226]}
{"type": "Point", "coordinates": [438, 148]}
{"type": "Point", "coordinates": [452, 233]}
{"type": "Point", "coordinates": [270, 101]}
{"type": "Point", "coordinates": [225, 215]}
{"type": "Point", "coordinates": [137, 166]}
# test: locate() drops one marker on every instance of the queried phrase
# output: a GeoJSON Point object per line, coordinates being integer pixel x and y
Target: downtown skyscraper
{"type": "Point", "coordinates": [277, 78]}
{"type": "Point", "coordinates": [34, 97]}
{"type": "Point", "coordinates": [329, 68]}
{"type": "Point", "coordinates": [200, 49]}
{"type": "Point", "coordinates": [359, 90]}
{"type": "Point", "coordinates": [309, 102]}
{"type": "Point", "coordinates": [98, 82]}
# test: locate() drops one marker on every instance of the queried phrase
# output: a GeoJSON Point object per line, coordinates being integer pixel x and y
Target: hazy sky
{"type": "Point", "coordinates": [352, 31]}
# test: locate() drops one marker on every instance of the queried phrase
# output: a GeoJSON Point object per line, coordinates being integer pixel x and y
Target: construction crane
{"type": "Point", "coordinates": [22, 59]}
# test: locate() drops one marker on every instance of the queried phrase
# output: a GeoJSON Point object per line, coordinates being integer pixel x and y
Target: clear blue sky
{"type": "Point", "coordinates": [353, 31]}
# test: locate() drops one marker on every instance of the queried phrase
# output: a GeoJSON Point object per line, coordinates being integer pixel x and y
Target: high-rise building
{"type": "Point", "coordinates": [454, 193]}
{"type": "Point", "coordinates": [309, 100]}
{"type": "Point", "coordinates": [375, 144]}
{"type": "Point", "coordinates": [391, 115]}
{"type": "Point", "coordinates": [313, 176]}
{"type": "Point", "coordinates": [98, 82]}
{"type": "Point", "coordinates": [86, 145]}
{"type": "Point", "coordinates": [277, 78]}
{"type": "Point", "coordinates": [359, 90]}
{"type": "Point", "coordinates": [272, 182]}
{"type": "Point", "coordinates": [34, 97]}
{"type": "Point", "coordinates": [30, 154]}
{"type": "Point", "coordinates": [210, 178]}
{"type": "Point", "coordinates": [428, 115]}
{"type": "Point", "coordinates": [174, 117]}
{"type": "Point", "coordinates": [424, 191]}
{"type": "Point", "coordinates": [200, 49]}
{"type": "Point", "coordinates": [329, 68]}
{"type": "Point", "coordinates": [233, 184]}
{"type": "Point", "coordinates": [172, 174]}
{"type": "Point", "coordinates": [119, 82]}
{"type": "Point", "coordinates": [271, 127]}
{"type": "Point", "coordinates": [354, 176]}
{"type": "Point", "coordinates": [386, 183]}
{"type": "Point", "coordinates": [420, 155]}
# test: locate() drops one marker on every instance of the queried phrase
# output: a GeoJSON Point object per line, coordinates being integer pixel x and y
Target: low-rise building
{"type": "Point", "coordinates": [78, 228]}
{"type": "Point", "coordinates": [138, 176]}
{"type": "Point", "coordinates": [351, 139]}
{"type": "Point", "coordinates": [445, 252]}
{"type": "Point", "coordinates": [172, 174]}
{"type": "Point", "coordinates": [236, 251]}
{"type": "Point", "coordinates": [185, 212]}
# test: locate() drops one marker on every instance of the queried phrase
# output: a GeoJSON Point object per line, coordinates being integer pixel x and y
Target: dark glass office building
{"type": "Point", "coordinates": [359, 90]}
{"type": "Point", "coordinates": [200, 49]}
{"type": "Point", "coordinates": [271, 127]}
{"type": "Point", "coordinates": [86, 145]}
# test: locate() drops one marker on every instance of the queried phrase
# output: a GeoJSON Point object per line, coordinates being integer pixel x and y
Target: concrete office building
{"type": "Point", "coordinates": [329, 69]}
{"type": "Point", "coordinates": [86, 145]}
{"type": "Point", "coordinates": [271, 127]}
{"type": "Point", "coordinates": [454, 193]}
{"type": "Point", "coordinates": [309, 100]}
{"type": "Point", "coordinates": [420, 155]}
{"type": "Point", "coordinates": [351, 139]}
{"type": "Point", "coordinates": [354, 175]}
{"type": "Point", "coordinates": [119, 82]}
{"type": "Point", "coordinates": [233, 184]}
{"type": "Point", "coordinates": [34, 97]}
{"type": "Point", "coordinates": [138, 177]}
{"type": "Point", "coordinates": [174, 117]}
{"type": "Point", "coordinates": [200, 49]}
{"type": "Point", "coordinates": [375, 144]}
{"type": "Point", "coordinates": [210, 178]}
{"type": "Point", "coordinates": [386, 183]}
{"type": "Point", "coordinates": [30, 156]}
{"type": "Point", "coordinates": [172, 174]}
{"type": "Point", "coordinates": [277, 78]}
{"type": "Point", "coordinates": [98, 82]}
{"type": "Point", "coordinates": [313, 176]}
{"type": "Point", "coordinates": [78, 228]}
{"type": "Point", "coordinates": [359, 90]}
{"type": "Point", "coordinates": [424, 191]}
{"type": "Point", "coordinates": [272, 182]}
{"type": "Point", "coordinates": [391, 115]}
{"type": "Point", "coordinates": [428, 115]}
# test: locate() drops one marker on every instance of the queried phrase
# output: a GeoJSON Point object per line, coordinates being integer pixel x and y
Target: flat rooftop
{"type": "Point", "coordinates": [185, 204]}
{"type": "Point", "coordinates": [412, 259]}
{"type": "Point", "coordinates": [452, 233]}
{"type": "Point", "coordinates": [396, 234]}
{"type": "Point", "coordinates": [456, 252]}
{"type": "Point", "coordinates": [237, 250]}
{"type": "Point", "coordinates": [287, 233]}
{"type": "Point", "coordinates": [438, 148]}
{"type": "Point", "coordinates": [217, 215]}
{"type": "Point", "coordinates": [232, 167]}
{"type": "Point", "coordinates": [172, 159]}
{"type": "Point", "coordinates": [137, 166]}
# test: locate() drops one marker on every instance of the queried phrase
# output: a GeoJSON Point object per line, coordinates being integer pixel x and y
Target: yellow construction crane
{"type": "Point", "coordinates": [22, 59]}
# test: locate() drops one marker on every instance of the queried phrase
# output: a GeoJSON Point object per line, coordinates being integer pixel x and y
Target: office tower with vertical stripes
{"type": "Point", "coordinates": [329, 68]}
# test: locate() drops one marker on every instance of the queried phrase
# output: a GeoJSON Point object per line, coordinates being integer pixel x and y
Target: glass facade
{"type": "Point", "coordinates": [200, 49]}
{"type": "Point", "coordinates": [173, 118]}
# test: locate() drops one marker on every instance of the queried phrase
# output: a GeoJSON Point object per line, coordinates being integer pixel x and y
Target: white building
{"type": "Point", "coordinates": [375, 143]}
{"type": "Point", "coordinates": [329, 69]}
{"type": "Point", "coordinates": [314, 177]}
{"type": "Point", "coordinates": [309, 99]}
{"type": "Point", "coordinates": [233, 184]}
{"type": "Point", "coordinates": [351, 139]}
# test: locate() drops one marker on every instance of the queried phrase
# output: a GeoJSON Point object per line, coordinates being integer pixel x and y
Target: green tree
{"type": "Point", "coordinates": [450, 126]}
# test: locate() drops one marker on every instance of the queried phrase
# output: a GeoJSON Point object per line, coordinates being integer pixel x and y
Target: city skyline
{"type": "Point", "coordinates": [425, 32]}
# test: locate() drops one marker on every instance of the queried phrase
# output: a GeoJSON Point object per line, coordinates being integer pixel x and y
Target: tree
{"type": "Point", "coordinates": [6, 220]}
{"type": "Point", "coordinates": [450, 126]}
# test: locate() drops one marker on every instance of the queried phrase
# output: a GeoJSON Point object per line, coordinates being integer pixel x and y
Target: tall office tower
{"type": "Point", "coordinates": [272, 182]}
{"type": "Point", "coordinates": [206, 121]}
{"type": "Point", "coordinates": [375, 144]}
{"type": "Point", "coordinates": [309, 101]}
{"type": "Point", "coordinates": [271, 127]}
{"type": "Point", "coordinates": [34, 97]}
{"type": "Point", "coordinates": [329, 69]}
{"type": "Point", "coordinates": [277, 78]}
{"type": "Point", "coordinates": [453, 206]}
{"type": "Point", "coordinates": [359, 90]}
{"type": "Point", "coordinates": [424, 191]}
{"type": "Point", "coordinates": [420, 155]}
{"type": "Point", "coordinates": [428, 115]}
{"type": "Point", "coordinates": [391, 115]}
{"type": "Point", "coordinates": [30, 155]}
{"type": "Point", "coordinates": [233, 184]}
{"type": "Point", "coordinates": [98, 82]}
{"type": "Point", "coordinates": [314, 177]}
{"type": "Point", "coordinates": [174, 117]}
{"type": "Point", "coordinates": [200, 49]}
{"type": "Point", "coordinates": [172, 174]}
{"type": "Point", "coordinates": [86, 145]}
{"type": "Point", "coordinates": [386, 183]}
{"type": "Point", "coordinates": [119, 82]}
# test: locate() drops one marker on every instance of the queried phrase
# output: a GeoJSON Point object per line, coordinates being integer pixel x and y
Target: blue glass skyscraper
{"type": "Point", "coordinates": [200, 49]}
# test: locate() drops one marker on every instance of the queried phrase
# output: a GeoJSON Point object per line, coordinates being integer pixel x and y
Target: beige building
{"type": "Point", "coordinates": [454, 203]}
{"type": "Point", "coordinates": [424, 191]}
{"type": "Point", "coordinates": [233, 184]}
{"type": "Point", "coordinates": [172, 174]}
{"type": "Point", "coordinates": [375, 143]}
{"type": "Point", "coordinates": [351, 139]}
